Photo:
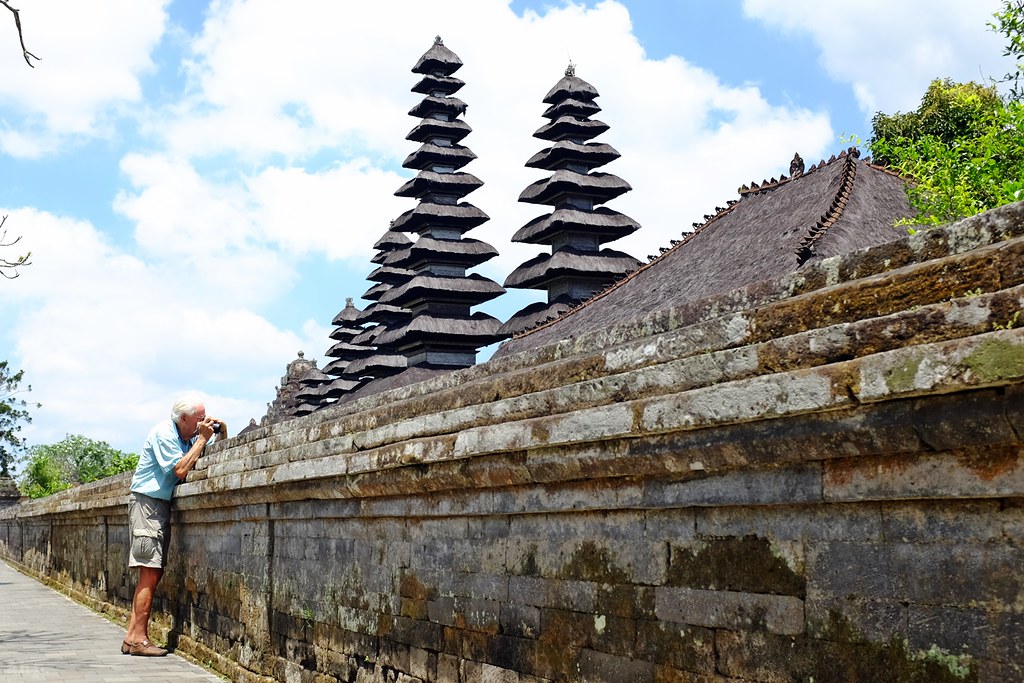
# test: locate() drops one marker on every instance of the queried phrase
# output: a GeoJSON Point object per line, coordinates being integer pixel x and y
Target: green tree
{"type": "Point", "coordinates": [13, 412]}
{"type": "Point", "coordinates": [963, 150]}
{"type": "Point", "coordinates": [1009, 21]}
{"type": "Point", "coordinates": [74, 460]}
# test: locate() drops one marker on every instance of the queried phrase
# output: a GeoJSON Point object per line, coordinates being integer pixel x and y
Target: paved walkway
{"type": "Point", "coordinates": [46, 637]}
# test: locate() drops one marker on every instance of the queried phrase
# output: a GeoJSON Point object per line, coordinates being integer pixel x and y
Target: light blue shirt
{"type": "Point", "coordinates": [154, 475]}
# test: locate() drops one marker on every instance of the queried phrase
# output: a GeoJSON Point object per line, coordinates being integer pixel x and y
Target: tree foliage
{"type": "Point", "coordinates": [13, 414]}
{"type": "Point", "coordinates": [74, 460]}
{"type": "Point", "coordinates": [1009, 21]}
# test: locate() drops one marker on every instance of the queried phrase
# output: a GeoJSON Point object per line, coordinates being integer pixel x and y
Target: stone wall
{"type": "Point", "coordinates": [814, 478]}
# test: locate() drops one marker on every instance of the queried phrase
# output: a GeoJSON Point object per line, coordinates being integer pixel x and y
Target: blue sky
{"type": "Point", "coordinates": [201, 183]}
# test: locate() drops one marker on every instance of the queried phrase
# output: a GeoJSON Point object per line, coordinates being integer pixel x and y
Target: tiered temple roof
{"type": "Point", "coordinates": [288, 404]}
{"type": "Point", "coordinates": [577, 265]}
{"type": "Point", "coordinates": [441, 332]}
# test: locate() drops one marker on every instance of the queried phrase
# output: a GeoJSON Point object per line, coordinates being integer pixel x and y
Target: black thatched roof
{"type": "Point", "coordinates": [606, 224]}
{"type": "Point", "coordinates": [571, 86]}
{"type": "Point", "coordinates": [339, 387]}
{"type": "Point", "coordinates": [392, 239]}
{"type": "Point", "coordinates": [377, 365]}
{"type": "Point", "coordinates": [758, 237]}
{"type": "Point", "coordinates": [438, 60]}
{"type": "Point", "coordinates": [347, 350]}
{"type": "Point", "coordinates": [374, 292]}
{"type": "Point", "coordinates": [382, 312]}
{"type": "Point", "coordinates": [473, 289]}
{"type": "Point", "coordinates": [604, 266]}
{"type": "Point", "coordinates": [390, 274]}
{"type": "Point", "coordinates": [430, 105]}
{"type": "Point", "coordinates": [429, 155]}
{"type": "Point", "coordinates": [344, 332]}
{"type": "Point", "coordinates": [581, 109]}
{"type": "Point", "coordinates": [590, 154]}
{"type": "Point", "coordinates": [336, 367]}
{"type": "Point", "coordinates": [473, 332]}
{"type": "Point", "coordinates": [431, 84]}
{"type": "Point", "coordinates": [314, 378]}
{"type": "Point", "coordinates": [428, 129]}
{"type": "Point", "coordinates": [427, 182]}
{"type": "Point", "coordinates": [466, 252]}
{"type": "Point", "coordinates": [347, 314]}
{"type": "Point", "coordinates": [536, 314]}
{"type": "Point", "coordinates": [598, 187]}
{"type": "Point", "coordinates": [462, 216]}
{"type": "Point", "coordinates": [571, 127]}
{"type": "Point", "coordinates": [368, 337]}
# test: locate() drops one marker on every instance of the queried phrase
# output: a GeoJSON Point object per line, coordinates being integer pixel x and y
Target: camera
{"type": "Point", "coordinates": [216, 427]}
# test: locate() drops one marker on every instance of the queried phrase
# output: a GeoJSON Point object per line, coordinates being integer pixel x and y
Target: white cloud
{"type": "Point", "coordinates": [90, 62]}
{"type": "Point", "coordinates": [890, 51]}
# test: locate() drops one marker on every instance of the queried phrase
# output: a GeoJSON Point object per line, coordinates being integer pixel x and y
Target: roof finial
{"type": "Point", "coordinates": [438, 41]}
{"type": "Point", "coordinates": [796, 166]}
{"type": "Point", "coordinates": [301, 354]}
{"type": "Point", "coordinates": [570, 70]}
{"type": "Point", "coordinates": [348, 301]}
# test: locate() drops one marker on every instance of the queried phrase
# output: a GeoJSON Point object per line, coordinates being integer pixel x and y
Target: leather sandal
{"type": "Point", "coordinates": [146, 649]}
{"type": "Point", "coordinates": [126, 647]}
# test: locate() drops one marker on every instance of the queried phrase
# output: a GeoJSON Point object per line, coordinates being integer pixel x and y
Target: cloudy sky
{"type": "Point", "coordinates": [200, 184]}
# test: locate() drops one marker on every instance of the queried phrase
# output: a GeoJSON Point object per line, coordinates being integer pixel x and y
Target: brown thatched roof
{"type": "Point", "coordinates": [466, 252]}
{"type": "Point", "coordinates": [755, 238]}
{"type": "Point", "coordinates": [438, 59]}
{"type": "Point", "coordinates": [571, 86]}
{"type": "Point", "coordinates": [427, 129]}
{"type": "Point", "coordinates": [599, 187]}
{"type": "Point", "coordinates": [429, 155]}
{"type": "Point", "coordinates": [607, 224]}
{"type": "Point", "coordinates": [590, 154]}
{"type": "Point", "coordinates": [472, 289]}
{"type": "Point", "coordinates": [431, 84]}
{"type": "Point", "coordinates": [571, 127]}
{"type": "Point", "coordinates": [604, 266]}
{"type": "Point", "coordinates": [426, 182]}
{"type": "Point", "coordinates": [462, 216]}
{"type": "Point", "coordinates": [581, 109]}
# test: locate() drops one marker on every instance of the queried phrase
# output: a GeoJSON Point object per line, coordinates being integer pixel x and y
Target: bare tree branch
{"type": "Point", "coordinates": [17, 22]}
{"type": "Point", "coordinates": [9, 269]}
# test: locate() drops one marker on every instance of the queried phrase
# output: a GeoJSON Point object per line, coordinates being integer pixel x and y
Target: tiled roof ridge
{"type": "Point", "coordinates": [796, 171]}
{"type": "Point", "coordinates": [626, 278]}
{"type": "Point", "coordinates": [835, 209]}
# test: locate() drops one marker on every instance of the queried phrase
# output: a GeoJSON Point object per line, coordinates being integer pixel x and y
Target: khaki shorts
{"type": "Point", "coordinates": [149, 520]}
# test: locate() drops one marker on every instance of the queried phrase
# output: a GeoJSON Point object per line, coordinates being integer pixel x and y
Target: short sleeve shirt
{"type": "Point", "coordinates": [154, 475]}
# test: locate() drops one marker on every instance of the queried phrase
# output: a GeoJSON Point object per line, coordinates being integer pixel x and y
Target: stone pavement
{"type": "Point", "coordinates": [46, 637]}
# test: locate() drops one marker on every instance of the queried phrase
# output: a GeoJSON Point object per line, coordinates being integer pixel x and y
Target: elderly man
{"type": "Point", "coordinates": [171, 451]}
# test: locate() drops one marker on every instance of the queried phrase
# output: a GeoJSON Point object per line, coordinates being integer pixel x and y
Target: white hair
{"type": "Point", "coordinates": [186, 405]}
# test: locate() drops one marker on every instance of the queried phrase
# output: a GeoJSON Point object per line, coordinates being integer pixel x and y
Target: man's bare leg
{"type": "Point", "coordinates": [142, 604]}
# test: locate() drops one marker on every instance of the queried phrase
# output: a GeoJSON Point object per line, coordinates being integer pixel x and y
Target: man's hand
{"type": "Point", "coordinates": [206, 428]}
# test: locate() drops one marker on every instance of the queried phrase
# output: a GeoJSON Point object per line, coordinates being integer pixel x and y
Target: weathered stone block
{"type": "Point", "coordinates": [746, 564]}
{"type": "Point", "coordinates": [606, 668]}
{"type": "Point", "coordinates": [725, 609]}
